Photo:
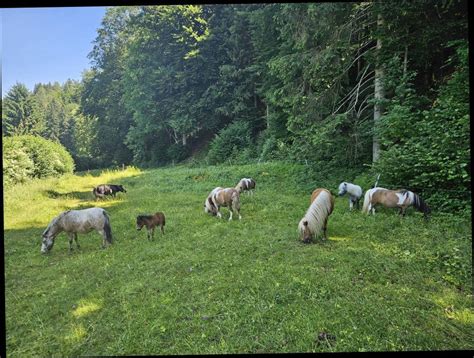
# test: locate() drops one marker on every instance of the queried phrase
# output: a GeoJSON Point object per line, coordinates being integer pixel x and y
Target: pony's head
{"type": "Point", "coordinates": [140, 222]}
{"type": "Point", "coordinates": [305, 233]}
{"type": "Point", "coordinates": [47, 241]}
{"type": "Point", "coordinates": [121, 188]}
{"type": "Point", "coordinates": [342, 188]}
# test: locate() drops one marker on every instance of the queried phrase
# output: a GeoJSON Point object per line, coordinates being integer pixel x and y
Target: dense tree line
{"type": "Point", "coordinates": [381, 85]}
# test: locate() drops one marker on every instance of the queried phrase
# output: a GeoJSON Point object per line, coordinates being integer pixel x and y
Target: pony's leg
{"type": "Point", "coordinates": [325, 227]}
{"type": "Point", "coordinates": [75, 239]}
{"type": "Point", "coordinates": [350, 204]}
{"type": "Point", "coordinates": [230, 211]}
{"type": "Point", "coordinates": [162, 229]}
{"type": "Point", "coordinates": [152, 232]}
{"type": "Point", "coordinates": [372, 208]}
{"type": "Point", "coordinates": [71, 237]}
{"type": "Point", "coordinates": [219, 215]}
{"type": "Point", "coordinates": [104, 240]}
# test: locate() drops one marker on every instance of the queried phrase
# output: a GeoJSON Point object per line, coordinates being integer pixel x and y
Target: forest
{"type": "Point", "coordinates": [355, 89]}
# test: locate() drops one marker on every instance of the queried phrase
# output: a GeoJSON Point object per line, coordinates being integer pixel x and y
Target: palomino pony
{"type": "Point", "coordinates": [151, 221]}
{"type": "Point", "coordinates": [77, 221]}
{"type": "Point", "coordinates": [245, 184]}
{"type": "Point", "coordinates": [354, 191]}
{"type": "Point", "coordinates": [394, 199]}
{"type": "Point", "coordinates": [316, 217]}
{"type": "Point", "coordinates": [227, 197]}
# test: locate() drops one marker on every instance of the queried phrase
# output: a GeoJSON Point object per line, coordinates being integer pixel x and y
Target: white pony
{"type": "Point", "coordinates": [316, 217]}
{"type": "Point", "coordinates": [77, 221]}
{"type": "Point", "coordinates": [354, 191]}
{"type": "Point", "coordinates": [247, 184]}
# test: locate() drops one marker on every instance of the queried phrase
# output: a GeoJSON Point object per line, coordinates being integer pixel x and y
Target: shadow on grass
{"type": "Point", "coordinates": [81, 195]}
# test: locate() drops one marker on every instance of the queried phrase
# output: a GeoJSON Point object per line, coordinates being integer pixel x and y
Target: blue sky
{"type": "Point", "coordinates": [46, 44]}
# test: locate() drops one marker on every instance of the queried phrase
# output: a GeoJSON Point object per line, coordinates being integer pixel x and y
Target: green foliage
{"type": "Point", "coordinates": [166, 79]}
{"type": "Point", "coordinates": [18, 112]}
{"type": "Point", "coordinates": [17, 166]}
{"type": "Point", "coordinates": [432, 154]}
{"type": "Point", "coordinates": [36, 157]}
{"type": "Point", "coordinates": [229, 143]}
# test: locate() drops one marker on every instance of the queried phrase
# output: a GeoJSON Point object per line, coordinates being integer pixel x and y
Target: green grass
{"type": "Point", "coordinates": [211, 286]}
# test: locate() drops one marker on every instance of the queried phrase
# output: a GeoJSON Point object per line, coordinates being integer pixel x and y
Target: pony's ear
{"type": "Point", "coordinates": [305, 223]}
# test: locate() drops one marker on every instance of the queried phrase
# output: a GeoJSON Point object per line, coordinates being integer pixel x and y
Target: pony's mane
{"type": "Point", "coordinates": [317, 212]}
{"type": "Point", "coordinates": [54, 222]}
{"type": "Point", "coordinates": [419, 204]}
{"type": "Point", "coordinates": [141, 217]}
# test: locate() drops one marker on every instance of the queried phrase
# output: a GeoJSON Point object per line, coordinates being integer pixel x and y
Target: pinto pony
{"type": "Point", "coordinates": [102, 190]}
{"type": "Point", "coordinates": [226, 197]}
{"type": "Point", "coordinates": [316, 217]}
{"type": "Point", "coordinates": [394, 199]}
{"type": "Point", "coordinates": [77, 221]}
{"type": "Point", "coordinates": [151, 221]}
{"type": "Point", "coordinates": [245, 184]}
{"type": "Point", "coordinates": [354, 191]}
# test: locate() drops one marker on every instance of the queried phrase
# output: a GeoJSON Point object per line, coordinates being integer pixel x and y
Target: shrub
{"type": "Point", "coordinates": [229, 142]}
{"type": "Point", "coordinates": [47, 157]}
{"type": "Point", "coordinates": [17, 166]}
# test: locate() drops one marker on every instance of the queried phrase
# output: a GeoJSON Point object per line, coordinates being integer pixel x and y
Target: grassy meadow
{"type": "Point", "coordinates": [211, 286]}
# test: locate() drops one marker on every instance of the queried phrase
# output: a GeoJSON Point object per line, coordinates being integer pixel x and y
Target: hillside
{"type": "Point", "coordinates": [207, 286]}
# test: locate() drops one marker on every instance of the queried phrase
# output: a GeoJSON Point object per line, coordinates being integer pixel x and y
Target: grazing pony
{"type": "Point", "coordinates": [394, 199]}
{"type": "Point", "coordinates": [102, 190]}
{"type": "Point", "coordinates": [316, 217]}
{"type": "Point", "coordinates": [354, 191]}
{"type": "Point", "coordinates": [77, 221]}
{"type": "Point", "coordinates": [151, 221]}
{"type": "Point", "coordinates": [209, 206]}
{"type": "Point", "coordinates": [226, 197]}
{"type": "Point", "coordinates": [245, 184]}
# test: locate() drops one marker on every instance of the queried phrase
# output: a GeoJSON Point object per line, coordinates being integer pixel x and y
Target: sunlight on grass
{"type": "Point", "coordinates": [78, 333]}
{"type": "Point", "coordinates": [340, 238]}
{"type": "Point", "coordinates": [465, 316]}
{"type": "Point", "coordinates": [85, 308]}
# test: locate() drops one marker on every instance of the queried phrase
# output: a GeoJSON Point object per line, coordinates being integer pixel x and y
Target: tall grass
{"type": "Point", "coordinates": [209, 286]}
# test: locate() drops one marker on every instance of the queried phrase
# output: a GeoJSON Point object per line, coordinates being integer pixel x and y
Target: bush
{"type": "Point", "coordinates": [229, 143]}
{"type": "Point", "coordinates": [29, 156]}
{"type": "Point", "coordinates": [17, 166]}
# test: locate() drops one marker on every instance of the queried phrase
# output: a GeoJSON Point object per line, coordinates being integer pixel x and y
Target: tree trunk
{"type": "Point", "coordinates": [379, 94]}
{"type": "Point", "coordinates": [184, 139]}
{"type": "Point", "coordinates": [405, 61]}
{"type": "Point", "coordinates": [268, 119]}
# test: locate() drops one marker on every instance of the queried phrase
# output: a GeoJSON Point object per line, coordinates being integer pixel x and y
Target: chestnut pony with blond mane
{"type": "Point", "coordinates": [316, 217]}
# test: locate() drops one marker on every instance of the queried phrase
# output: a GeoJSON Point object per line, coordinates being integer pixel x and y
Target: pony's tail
{"type": "Point", "coordinates": [367, 197]}
{"type": "Point", "coordinates": [107, 229]}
